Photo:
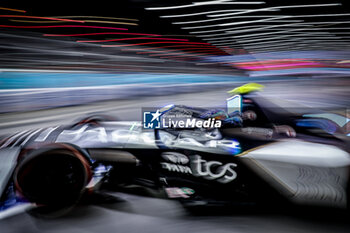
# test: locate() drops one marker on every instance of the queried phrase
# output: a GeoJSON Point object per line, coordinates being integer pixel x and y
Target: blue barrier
{"type": "Point", "coordinates": [26, 91]}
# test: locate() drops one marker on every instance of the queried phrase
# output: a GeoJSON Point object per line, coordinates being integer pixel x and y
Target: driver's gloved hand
{"type": "Point", "coordinates": [235, 120]}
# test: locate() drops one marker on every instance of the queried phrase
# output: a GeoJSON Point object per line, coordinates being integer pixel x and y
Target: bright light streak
{"type": "Point", "coordinates": [134, 38]}
{"type": "Point", "coordinates": [298, 37]}
{"type": "Point", "coordinates": [296, 43]}
{"type": "Point", "coordinates": [255, 16]}
{"type": "Point", "coordinates": [194, 52]}
{"type": "Point", "coordinates": [300, 71]}
{"type": "Point", "coordinates": [174, 50]}
{"type": "Point", "coordinates": [231, 39]}
{"type": "Point", "coordinates": [104, 33]}
{"type": "Point", "coordinates": [284, 45]}
{"type": "Point", "coordinates": [345, 33]}
{"type": "Point", "coordinates": [306, 41]}
{"type": "Point", "coordinates": [262, 27]}
{"type": "Point", "coordinates": [110, 22]}
{"type": "Point", "coordinates": [148, 43]}
{"type": "Point", "coordinates": [258, 28]}
{"type": "Point", "coordinates": [282, 48]}
{"type": "Point", "coordinates": [228, 46]}
{"type": "Point", "coordinates": [295, 48]}
{"type": "Point", "coordinates": [212, 50]}
{"type": "Point", "coordinates": [231, 35]}
{"type": "Point", "coordinates": [194, 4]}
{"type": "Point", "coordinates": [254, 21]}
{"type": "Point", "coordinates": [224, 18]}
{"type": "Point", "coordinates": [276, 42]}
{"type": "Point", "coordinates": [229, 43]}
{"type": "Point", "coordinates": [208, 12]}
{"type": "Point", "coordinates": [318, 55]}
{"type": "Point", "coordinates": [277, 8]}
{"type": "Point", "coordinates": [37, 21]}
{"type": "Point", "coordinates": [83, 21]}
{"type": "Point", "coordinates": [281, 26]}
{"type": "Point", "coordinates": [185, 55]}
{"type": "Point", "coordinates": [203, 48]}
{"type": "Point", "coordinates": [63, 26]}
{"type": "Point", "coordinates": [315, 16]}
{"type": "Point", "coordinates": [270, 20]}
{"type": "Point", "coordinates": [38, 17]}
{"type": "Point", "coordinates": [168, 54]}
{"type": "Point", "coordinates": [273, 40]}
{"type": "Point", "coordinates": [290, 65]}
{"type": "Point", "coordinates": [10, 9]}
{"type": "Point", "coordinates": [97, 17]}
{"type": "Point", "coordinates": [278, 61]}
{"type": "Point", "coordinates": [304, 36]}
{"type": "Point", "coordinates": [173, 46]}
{"type": "Point", "coordinates": [222, 30]}
{"type": "Point", "coordinates": [178, 58]}
{"type": "Point", "coordinates": [221, 2]}
{"type": "Point", "coordinates": [280, 32]}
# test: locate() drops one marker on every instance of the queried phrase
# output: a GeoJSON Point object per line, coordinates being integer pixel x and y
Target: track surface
{"type": "Point", "coordinates": [134, 214]}
{"type": "Point", "coordinates": [141, 214]}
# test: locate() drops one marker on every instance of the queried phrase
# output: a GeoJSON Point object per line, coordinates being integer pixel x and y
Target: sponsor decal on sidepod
{"type": "Point", "coordinates": [210, 170]}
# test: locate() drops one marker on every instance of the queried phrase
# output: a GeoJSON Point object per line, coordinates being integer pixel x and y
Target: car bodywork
{"type": "Point", "coordinates": [276, 156]}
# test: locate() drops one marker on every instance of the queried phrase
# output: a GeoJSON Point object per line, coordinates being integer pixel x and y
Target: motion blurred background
{"type": "Point", "coordinates": [62, 59]}
{"type": "Point", "coordinates": [67, 53]}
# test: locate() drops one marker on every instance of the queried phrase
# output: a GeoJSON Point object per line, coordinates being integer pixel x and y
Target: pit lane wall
{"type": "Point", "coordinates": [27, 91]}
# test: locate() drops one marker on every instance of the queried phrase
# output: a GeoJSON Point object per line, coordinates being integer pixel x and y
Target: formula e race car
{"type": "Point", "coordinates": [250, 152]}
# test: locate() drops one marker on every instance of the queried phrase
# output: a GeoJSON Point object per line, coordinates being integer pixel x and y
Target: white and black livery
{"type": "Point", "coordinates": [260, 153]}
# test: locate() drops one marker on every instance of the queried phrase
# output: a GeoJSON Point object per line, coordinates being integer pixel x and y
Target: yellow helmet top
{"type": "Point", "coordinates": [246, 88]}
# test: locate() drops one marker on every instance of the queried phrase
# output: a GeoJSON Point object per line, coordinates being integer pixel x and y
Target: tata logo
{"type": "Point", "coordinates": [175, 162]}
{"type": "Point", "coordinates": [151, 120]}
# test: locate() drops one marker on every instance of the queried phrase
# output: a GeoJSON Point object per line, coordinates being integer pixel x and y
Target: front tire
{"type": "Point", "coordinates": [53, 176]}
